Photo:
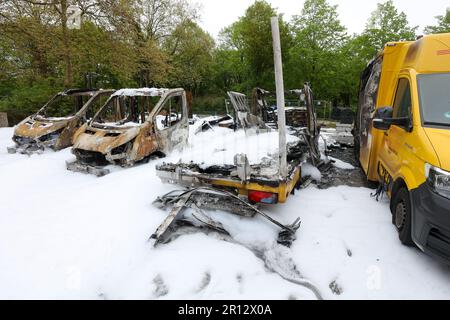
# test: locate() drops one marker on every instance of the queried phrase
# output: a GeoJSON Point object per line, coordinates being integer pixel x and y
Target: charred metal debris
{"type": "Point", "coordinates": [55, 124]}
{"type": "Point", "coordinates": [132, 126]}
{"type": "Point", "coordinates": [257, 115]}
{"type": "Point", "coordinates": [266, 172]}
{"type": "Point", "coordinates": [201, 199]}
{"type": "Point", "coordinates": [236, 188]}
{"type": "Point", "coordinates": [187, 215]}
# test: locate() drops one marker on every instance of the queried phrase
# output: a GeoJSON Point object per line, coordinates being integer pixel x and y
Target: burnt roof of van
{"type": "Point", "coordinates": [152, 92]}
{"type": "Point", "coordinates": [77, 91]}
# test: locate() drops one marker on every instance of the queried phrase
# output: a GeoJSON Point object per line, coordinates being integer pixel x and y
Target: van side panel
{"type": "Point", "coordinates": [393, 57]}
{"type": "Point", "coordinates": [369, 86]}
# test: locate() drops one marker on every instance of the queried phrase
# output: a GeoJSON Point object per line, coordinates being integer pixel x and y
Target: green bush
{"type": "Point", "coordinates": [25, 100]}
{"type": "Point", "coordinates": [209, 105]}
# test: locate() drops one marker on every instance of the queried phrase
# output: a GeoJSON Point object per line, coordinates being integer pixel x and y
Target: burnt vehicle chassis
{"type": "Point", "coordinates": [38, 132]}
{"type": "Point", "coordinates": [144, 133]}
{"type": "Point", "coordinates": [301, 119]}
{"type": "Point", "coordinates": [261, 182]}
{"type": "Point", "coordinates": [201, 199]}
{"type": "Point", "coordinates": [240, 188]}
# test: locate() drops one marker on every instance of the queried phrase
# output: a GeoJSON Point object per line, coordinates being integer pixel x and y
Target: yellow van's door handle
{"type": "Point", "coordinates": [386, 134]}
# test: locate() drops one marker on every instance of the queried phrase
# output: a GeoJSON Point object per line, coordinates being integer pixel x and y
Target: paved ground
{"type": "Point", "coordinates": [350, 177]}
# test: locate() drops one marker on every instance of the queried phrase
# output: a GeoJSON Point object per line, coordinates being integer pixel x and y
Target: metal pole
{"type": "Point", "coordinates": [280, 98]}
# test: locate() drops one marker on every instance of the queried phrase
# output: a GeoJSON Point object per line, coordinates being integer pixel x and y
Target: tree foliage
{"type": "Point", "coordinates": [191, 55]}
{"type": "Point", "coordinates": [387, 24]}
{"type": "Point", "coordinates": [126, 43]}
{"type": "Point", "coordinates": [120, 43]}
{"type": "Point", "coordinates": [443, 24]}
{"type": "Point", "coordinates": [250, 39]}
{"type": "Point", "coordinates": [315, 57]}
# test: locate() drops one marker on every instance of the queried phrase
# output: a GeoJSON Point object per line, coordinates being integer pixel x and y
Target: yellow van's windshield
{"type": "Point", "coordinates": [434, 95]}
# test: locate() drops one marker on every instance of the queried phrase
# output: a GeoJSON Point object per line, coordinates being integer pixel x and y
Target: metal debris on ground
{"type": "Point", "coordinates": [276, 257]}
{"type": "Point", "coordinates": [201, 199]}
{"type": "Point", "coordinates": [209, 123]}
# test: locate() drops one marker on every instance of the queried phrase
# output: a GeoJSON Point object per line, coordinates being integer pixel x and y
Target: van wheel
{"type": "Point", "coordinates": [401, 216]}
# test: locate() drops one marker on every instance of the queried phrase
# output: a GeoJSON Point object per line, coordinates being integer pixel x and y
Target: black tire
{"type": "Point", "coordinates": [401, 216]}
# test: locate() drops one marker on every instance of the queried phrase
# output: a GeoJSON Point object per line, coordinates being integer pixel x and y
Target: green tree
{"type": "Point", "coordinates": [353, 58]}
{"type": "Point", "coordinates": [27, 38]}
{"type": "Point", "coordinates": [190, 49]}
{"type": "Point", "coordinates": [49, 13]}
{"type": "Point", "coordinates": [25, 99]}
{"type": "Point", "coordinates": [443, 24]}
{"type": "Point", "coordinates": [251, 37]}
{"type": "Point", "coordinates": [97, 51]}
{"type": "Point", "coordinates": [120, 43]}
{"type": "Point", "coordinates": [315, 56]}
{"type": "Point", "coordinates": [228, 70]}
{"type": "Point", "coordinates": [147, 25]}
{"type": "Point", "coordinates": [387, 24]}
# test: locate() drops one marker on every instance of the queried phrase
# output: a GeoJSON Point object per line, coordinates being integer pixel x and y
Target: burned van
{"type": "Point", "coordinates": [132, 126]}
{"type": "Point", "coordinates": [54, 125]}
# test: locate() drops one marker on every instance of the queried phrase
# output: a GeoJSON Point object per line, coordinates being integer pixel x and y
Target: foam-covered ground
{"type": "Point", "coordinates": [65, 235]}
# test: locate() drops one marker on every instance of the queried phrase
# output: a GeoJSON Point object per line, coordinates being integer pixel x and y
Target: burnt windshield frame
{"type": "Point", "coordinates": [111, 100]}
{"type": "Point", "coordinates": [41, 113]}
{"type": "Point", "coordinates": [429, 124]}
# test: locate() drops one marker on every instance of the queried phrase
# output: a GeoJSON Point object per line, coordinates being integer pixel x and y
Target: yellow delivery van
{"type": "Point", "coordinates": [402, 138]}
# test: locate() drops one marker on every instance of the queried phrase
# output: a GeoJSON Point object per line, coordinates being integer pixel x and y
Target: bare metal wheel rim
{"type": "Point", "coordinates": [400, 215]}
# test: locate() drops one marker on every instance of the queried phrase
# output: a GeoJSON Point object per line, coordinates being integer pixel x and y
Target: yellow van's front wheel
{"type": "Point", "coordinates": [401, 217]}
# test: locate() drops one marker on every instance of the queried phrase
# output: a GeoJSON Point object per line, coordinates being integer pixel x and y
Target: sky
{"type": "Point", "coordinates": [216, 14]}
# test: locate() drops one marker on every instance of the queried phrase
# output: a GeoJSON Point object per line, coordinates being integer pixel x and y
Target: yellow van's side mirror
{"type": "Point", "coordinates": [381, 115]}
{"type": "Point", "coordinates": [381, 124]}
{"type": "Point", "coordinates": [385, 124]}
{"type": "Point", "coordinates": [384, 120]}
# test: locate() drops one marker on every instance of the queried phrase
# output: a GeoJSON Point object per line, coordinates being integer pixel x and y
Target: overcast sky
{"type": "Point", "coordinates": [216, 14]}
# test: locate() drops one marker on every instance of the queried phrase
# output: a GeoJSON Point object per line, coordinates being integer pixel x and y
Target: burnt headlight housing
{"type": "Point", "coordinates": [51, 136]}
{"type": "Point", "coordinates": [438, 180]}
{"type": "Point", "coordinates": [22, 140]}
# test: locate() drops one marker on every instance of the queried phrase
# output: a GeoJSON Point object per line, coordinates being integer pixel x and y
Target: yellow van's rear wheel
{"type": "Point", "coordinates": [402, 216]}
